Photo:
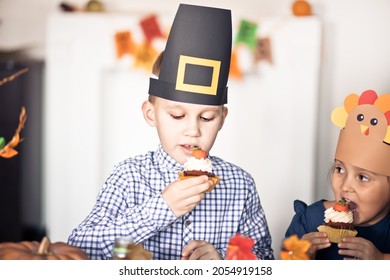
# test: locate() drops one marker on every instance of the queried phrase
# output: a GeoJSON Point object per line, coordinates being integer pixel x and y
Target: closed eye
{"type": "Point", "coordinates": [206, 119]}
{"type": "Point", "coordinates": [177, 117]}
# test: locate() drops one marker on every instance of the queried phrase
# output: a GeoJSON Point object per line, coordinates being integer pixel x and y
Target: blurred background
{"type": "Point", "coordinates": [89, 64]}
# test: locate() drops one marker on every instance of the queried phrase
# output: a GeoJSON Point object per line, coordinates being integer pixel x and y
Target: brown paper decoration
{"type": "Point", "coordinates": [263, 50]}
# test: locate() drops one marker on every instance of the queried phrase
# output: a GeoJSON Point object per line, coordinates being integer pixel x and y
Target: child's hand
{"type": "Point", "coordinates": [318, 240]}
{"type": "Point", "coordinates": [200, 250]}
{"type": "Point", "coordinates": [183, 196]}
{"type": "Point", "coordinates": [359, 248]}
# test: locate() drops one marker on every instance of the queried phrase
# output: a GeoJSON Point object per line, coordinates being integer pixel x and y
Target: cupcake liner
{"type": "Point", "coordinates": [215, 180]}
{"type": "Point", "coordinates": [336, 235]}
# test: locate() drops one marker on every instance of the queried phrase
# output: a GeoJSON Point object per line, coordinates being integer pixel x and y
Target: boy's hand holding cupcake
{"type": "Point", "coordinates": [183, 195]}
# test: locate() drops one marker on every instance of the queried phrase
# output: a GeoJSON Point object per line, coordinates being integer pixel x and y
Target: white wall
{"type": "Point", "coordinates": [355, 49]}
{"type": "Point", "coordinates": [355, 58]}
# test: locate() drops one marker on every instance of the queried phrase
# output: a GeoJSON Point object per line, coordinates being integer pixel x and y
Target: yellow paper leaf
{"type": "Point", "coordinates": [145, 56]}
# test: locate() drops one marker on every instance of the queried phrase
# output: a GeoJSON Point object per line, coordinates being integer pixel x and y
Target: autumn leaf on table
{"type": "Point", "coordinates": [8, 150]}
{"type": "Point", "coordinates": [295, 249]}
{"type": "Point", "coordinates": [240, 248]}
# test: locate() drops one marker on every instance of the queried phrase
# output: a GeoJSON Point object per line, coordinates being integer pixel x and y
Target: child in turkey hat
{"type": "Point", "coordinates": [360, 177]}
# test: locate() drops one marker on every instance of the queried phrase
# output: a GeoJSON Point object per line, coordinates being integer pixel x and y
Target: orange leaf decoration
{"type": "Point", "coordinates": [235, 71]}
{"type": "Point", "coordinates": [8, 150]}
{"type": "Point", "coordinates": [295, 249]}
{"type": "Point", "coordinates": [240, 248]}
{"type": "Point", "coordinates": [124, 43]}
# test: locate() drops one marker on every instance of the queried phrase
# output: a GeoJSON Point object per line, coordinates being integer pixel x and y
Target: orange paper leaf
{"type": "Point", "coordinates": [124, 44]}
{"type": "Point", "coordinates": [240, 248]}
{"type": "Point", "coordinates": [295, 249]}
{"type": "Point", "coordinates": [235, 71]}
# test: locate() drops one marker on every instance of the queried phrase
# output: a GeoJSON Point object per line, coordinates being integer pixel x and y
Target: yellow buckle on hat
{"type": "Point", "coordinates": [183, 61]}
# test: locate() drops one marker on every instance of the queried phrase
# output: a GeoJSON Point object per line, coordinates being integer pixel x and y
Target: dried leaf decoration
{"type": "Point", "coordinates": [295, 249]}
{"type": "Point", "coordinates": [10, 78]}
{"type": "Point", "coordinates": [8, 150]}
{"type": "Point", "coordinates": [240, 248]}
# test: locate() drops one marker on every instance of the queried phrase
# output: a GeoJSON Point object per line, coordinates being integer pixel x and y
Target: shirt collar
{"type": "Point", "coordinates": [165, 161]}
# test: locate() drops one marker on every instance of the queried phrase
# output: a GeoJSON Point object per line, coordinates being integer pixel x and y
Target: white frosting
{"type": "Point", "coordinates": [338, 217]}
{"type": "Point", "coordinates": [202, 164]}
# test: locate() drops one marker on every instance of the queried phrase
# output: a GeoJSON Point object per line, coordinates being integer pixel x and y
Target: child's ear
{"type": "Point", "coordinates": [224, 114]}
{"type": "Point", "coordinates": [148, 112]}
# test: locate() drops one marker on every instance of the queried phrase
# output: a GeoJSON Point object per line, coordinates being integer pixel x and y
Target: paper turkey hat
{"type": "Point", "coordinates": [196, 61]}
{"type": "Point", "coordinates": [364, 139]}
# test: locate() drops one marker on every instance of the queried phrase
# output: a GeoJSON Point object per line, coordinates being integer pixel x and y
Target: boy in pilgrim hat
{"type": "Point", "coordinates": [143, 197]}
{"type": "Point", "coordinates": [361, 177]}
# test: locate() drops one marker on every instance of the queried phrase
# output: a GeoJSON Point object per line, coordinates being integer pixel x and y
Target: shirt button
{"type": "Point", "coordinates": [188, 222]}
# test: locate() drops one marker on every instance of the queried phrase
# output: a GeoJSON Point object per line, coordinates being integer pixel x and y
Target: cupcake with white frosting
{"type": "Point", "coordinates": [338, 222]}
{"type": "Point", "coordinates": [197, 165]}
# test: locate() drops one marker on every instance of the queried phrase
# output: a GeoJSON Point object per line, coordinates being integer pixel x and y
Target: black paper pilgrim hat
{"type": "Point", "coordinates": [196, 60]}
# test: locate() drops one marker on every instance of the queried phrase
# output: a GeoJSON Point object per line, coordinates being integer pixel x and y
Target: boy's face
{"type": "Point", "coordinates": [182, 126]}
{"type": "Point", "coordinates": [369, 193]}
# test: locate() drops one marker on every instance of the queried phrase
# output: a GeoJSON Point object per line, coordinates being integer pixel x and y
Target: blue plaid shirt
{"type": "Point", "coordinates": [130, 203]}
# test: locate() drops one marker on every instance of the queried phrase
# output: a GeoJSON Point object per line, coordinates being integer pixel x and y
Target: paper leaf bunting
{"type": "Point", "coordinates": [235, 71]}
{"type": "Point", "coordinates": [151, 28]}
{"type": "Point", "coordinates": [123, 43]}
{"type": "Point", "coordinates": [247, 34]}
{"type": "Point", "coordinates": [144, 56]}
{"type": "Point", "coordinates": [295, 249]}
{"type": "Point", "coordinates": [263, 50]}
{"type": "Point", "coordinates": [240, 248]}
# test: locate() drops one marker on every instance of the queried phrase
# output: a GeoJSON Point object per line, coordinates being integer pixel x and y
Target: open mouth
{"type": "Point", "coordinates": [352, 205]}
{"type": "Point", "coordinates": [189, 148]}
